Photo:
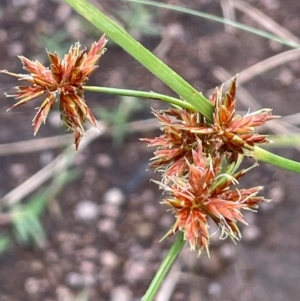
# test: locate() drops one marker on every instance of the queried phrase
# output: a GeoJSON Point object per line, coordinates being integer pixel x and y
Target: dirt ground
{"type": "Point", "coordinates": [103, 229]}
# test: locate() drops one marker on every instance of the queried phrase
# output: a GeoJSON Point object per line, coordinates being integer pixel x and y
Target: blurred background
{"type": "Point", "coordinates": [86, 226]}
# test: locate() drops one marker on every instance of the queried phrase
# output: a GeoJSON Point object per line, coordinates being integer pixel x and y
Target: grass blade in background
{"type": "Point", "coordinates": [214, 18]}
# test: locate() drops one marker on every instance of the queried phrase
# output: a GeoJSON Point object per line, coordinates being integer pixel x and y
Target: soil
{"type": "Point", "coordinates": [103, 228]}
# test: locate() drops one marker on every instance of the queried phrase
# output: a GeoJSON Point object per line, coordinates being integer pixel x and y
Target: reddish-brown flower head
{"type": "Point", "coordinates": [62, 82]}
{"type": "Point", "coordinates": [228, 135]}
{"type": "Point", "coordinates": [199, 163]}
{"type": "Point", "coordinates": [231, 131]}
{"type": "Point", "coordinates": [205, 193]}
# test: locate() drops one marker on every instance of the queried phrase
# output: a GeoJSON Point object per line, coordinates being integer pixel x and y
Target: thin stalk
{"type": "Point", "coordinates": [164, 268]}
{"type": "Point", "coordinates": [141, 94]}
{"type": "Point", "coordinates": [268, 157]}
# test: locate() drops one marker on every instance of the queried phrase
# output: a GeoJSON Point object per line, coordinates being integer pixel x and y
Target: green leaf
{"type": "Point", "coordinates": [144, 56]}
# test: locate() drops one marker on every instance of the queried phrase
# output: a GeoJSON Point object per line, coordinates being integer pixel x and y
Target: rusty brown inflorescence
{"type": "Point", "coordinates": [199, 163]}
{"type": "Point", "coordinates": [62, 82]}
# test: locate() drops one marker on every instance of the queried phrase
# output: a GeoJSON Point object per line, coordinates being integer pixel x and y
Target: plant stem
{"type": "Point", "coordinates": [164, 268]}
{"type": "Point", "coordinates": [141, 94]}
{"type": "Point", "coordinates": [268, 157]}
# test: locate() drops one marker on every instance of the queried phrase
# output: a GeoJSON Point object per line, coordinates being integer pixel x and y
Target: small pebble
{"type": "Point", "coordinates": [46, 157]}
{"type": "Point", "coordinates": [109, 211]}
{"type": "Point", "coordinates": [34, 286]}
{"type": "Point", "coordinates": [87, 267]}
{"type": "Point", "coordinates": [86, 210]}
{"type": "Point", "coordinates": [144, 230]}
{"type": "Point", "coordinates": [15, 48]}
{"type": "Point", "coordinates": [54, 119]}
{"type": "Point", "coordinates": [121, 293]}
{"type": "Point", "coordinates": [62, 12]}
{"type": "Point", "coordinates": [63, 293]}
{"type": "Point", "coordinates": [106, 225]}
{"type": "Point", "coordinates": [89, 252]}
{"type": "Point", "coordinates": [276, 194]}
{"type": "Point", "coordinates": [285, 77]}
{"type": "Point", "coordinates": [17, 170]}
{"type": "Point", "coordinates": [214, 290]}
{"type": "Point", "coordinates": [135, 271]}
{"type": "Point", "coordinates": [74, 279]}
{"type": "Point", "coordinates": [36, 266]}
{"type": "Point", "coordinates": [114, 196]}
{"type": "Point", "coordinates": [3, 35]}
{"type": "Point", "coordinates": [28, 15]}
{"type": "Point", "coordinates": [251, 234]}
{"type": "Point", "coordinates": [109, 259]}
{"type": "Point", "coordinates": [104, 160]}
{"type": "Point", "coordinates": [211, 266]}
{"type": "Point", "coordinates": [228, 252]}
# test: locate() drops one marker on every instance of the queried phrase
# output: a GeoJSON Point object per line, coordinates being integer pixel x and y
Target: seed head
{"type": "Point", "coordinates": [205, 193]}
{"type": "Point", "coordinates": [63, 81]}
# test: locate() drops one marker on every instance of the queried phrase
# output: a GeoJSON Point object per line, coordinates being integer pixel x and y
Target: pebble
{"type": "Point", "coordinates": [89, 252]}
{"type": "Point", "coordinates": [166, 221]}
{"type": "Point", "coordinates": [28, 15]}
{"type": "Point", "coordinates": [228, 252]}
{"type": "Point", "coordinates": [214, 290]}
{"type": "Point", "coordinates": [15, 48]}
{"type": "Point", "coordinates": [150, 211]}
{"type": "Point", "coordinates": [46, 157]}
{"type": "Point", "coordinates": [86, 211]}
{"type": "Point", "coordinates": [63, 293]}
{"type": "Point", "coordinates": [106, 225]}
{"type": "Point", "coordinates": [135, 271]}
{"type": "Point", "coordinates": [3, 36]}
{"type": "Point", "coordinates": [74, 279]}
{"type": "Point", "coordinates": [111, 211]}
{"type": "Point", "coordinates": [251, 234]}
{"type": "Point", "coordinates": [211, 266]}
{"type": "Point", "coordinates": [109, 259]}
{"type": "Point", "coordinates": [121, 293]}
{"type": "Point", "coordinates": [276, 194]}
{"type": "Point", "coordinates": [54, 119]}
{"type": "Point", "coordinates": [104, 160]}
{"type": "Point", "coordinates": [114, 196]}
{"type": "Point", "coordinates": [87, 267]}
{"type": "Point", "coordinates": [17, 170]}
{"type": "Point", "coordinates": [63, 12]}
{"type": "Point", "coordinates": [34, 286]}
{"type": "Point", "coordinates": [144, 230]}
{"type": "Point", "coordinates": [36, 266]}
{"type": "Point", "coordinates": [285, 77]}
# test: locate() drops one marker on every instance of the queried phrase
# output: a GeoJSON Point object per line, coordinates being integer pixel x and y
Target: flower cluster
{"type": "Point", "coordinates": [62, 82]}
{"type": "Point", "coordinates": [199, 163]}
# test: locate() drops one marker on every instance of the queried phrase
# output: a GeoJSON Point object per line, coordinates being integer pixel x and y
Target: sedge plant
{"type": "Point", "coordinates": [199, 152]}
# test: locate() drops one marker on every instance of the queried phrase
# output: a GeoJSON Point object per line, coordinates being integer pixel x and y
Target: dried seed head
{"type": "Point", "coordinates": [62, 82]}
{"type": "Point", "coordinates": [199, 163]}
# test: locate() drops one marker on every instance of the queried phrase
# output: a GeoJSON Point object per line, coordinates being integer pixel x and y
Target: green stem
{"type": "Point", "coordinates": [144, 56]}
{"type": "Point", "coordinates": [164, 268]}
{"type": "Point", "coordinates": [268, 157]}
{"type": "Point", "coordinates": [141, 94]}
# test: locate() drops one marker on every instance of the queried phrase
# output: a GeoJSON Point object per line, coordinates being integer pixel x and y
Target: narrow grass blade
{"type": "Point", "coordinates": [244, 27]}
